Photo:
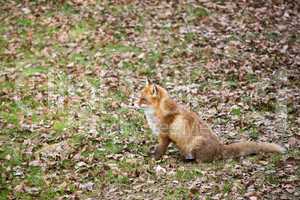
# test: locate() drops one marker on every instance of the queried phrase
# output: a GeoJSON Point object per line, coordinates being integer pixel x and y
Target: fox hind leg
{"type": "Point", "coordinates": [205, 149]}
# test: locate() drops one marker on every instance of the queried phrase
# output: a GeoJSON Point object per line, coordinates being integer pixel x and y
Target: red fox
{"type": "Point", "coordinates": [193, 137]}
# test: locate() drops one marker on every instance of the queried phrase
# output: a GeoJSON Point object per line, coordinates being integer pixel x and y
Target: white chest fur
{"type": "Point", "coordinates": [152, 120]}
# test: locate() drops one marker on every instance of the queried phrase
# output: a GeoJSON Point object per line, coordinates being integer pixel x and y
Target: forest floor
{"type": "Point", "coordinates": [70, 72]}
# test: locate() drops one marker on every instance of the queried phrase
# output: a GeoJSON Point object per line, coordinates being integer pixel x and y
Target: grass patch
{"type": "Point", "coordinates": [14, 154]}
{"type": "Point", "coordinates": [190, 37]}
{"type": "Point", "coordinates": [27, 104]}
{"type": "Point", "coordinates": [24, 22]}
{"type": "Point", "coordinates": [269, 106]}
{"type": "Point", "coordinates": [60, 126]}
{"type": "Point", "coordinates": [195, 13]}
{"type": "Point", "coordinates": [147, 71]}
{"type": "Point", "coordinates": [129, 65]}
{"type": "Point", "coordinates": [79, 58]}
{"type": "Point", "coordinates": [78, 31]}
{"type": "Point", "coordinates": [112, 147]}
{"type": "Point", "coordinates": [35, 71]}
{"type": "Point", "coordinates": [128, 129]}
{"type": "Point", "coordinates": [276, 158]}
{"type": "Point", "coordinates": [227, 187]}
{"type": "Point", "coordinates": [177, 193]}
{"type": "Point", "coordinates": [77, 140]}
{"type": "Point", "coordinates": [4, 194]}
{"type": "Point", "coordinates": [119, 95]}
{"type": "Point", "coordinates": [3, 44]}
{"type": "Point", "coordinates": [120, 10]}
{"type": "Point", "coordinates": [273, 36]}
{"type": "Point", "coordinates": [128, 167]}
{"type": "Point", "coordinates": [95, 82]}
{"type": "Point", "coordinates": [120, 48]}
{"type": "Point", "coordinates": [153, 58]}
{"type": "Point", "coordinates": [66, 8]}
{"type": "Point", "coordinates": [188, 174]}
{"type": "Point", "coordinates": [10, 118]}
{"type": "Point", "coordinates": [272, 179]}
{"type": "Point", "coordinates": [116, 178]}
{"type": "Point", "coordinates": [99, 153]}
{"type": "Point", "coordinates": [7, 85]}
{"type": "Point", "coordinates": [35, 177]}
{"type": "Point", "coordinates": [253, 133]}
{"type": "Point", "coordinates": [232, 84]}
{"type": "Point", "coordinates": [66, 164]}
{"type": "Point", "coordinates": [236, 111]}
{"type": "Point", "coordinates": [200, 12]}
{"type": "Point", "coordinates": [50, 193]}
{"type": "Point", "coordinates": [251, 78]}
{"type": "Point", "coordinates": [110, 120]}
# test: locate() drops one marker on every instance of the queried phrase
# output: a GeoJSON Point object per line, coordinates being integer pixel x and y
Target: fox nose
{"type": "Point", "coordinates": [136, 101]}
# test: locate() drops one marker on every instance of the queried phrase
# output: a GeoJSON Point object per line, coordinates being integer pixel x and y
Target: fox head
{"type": "Point", "coordinates": [151, 95]}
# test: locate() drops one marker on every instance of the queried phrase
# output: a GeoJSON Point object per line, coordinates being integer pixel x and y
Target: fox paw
{"type": "Point", "coordinates": [151, 151]}
{"type": "Point", "coordinates": [189, 158]}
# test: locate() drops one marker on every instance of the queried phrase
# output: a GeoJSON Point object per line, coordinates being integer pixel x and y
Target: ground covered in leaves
{"type": "Point", "coordinates": [70, 72]}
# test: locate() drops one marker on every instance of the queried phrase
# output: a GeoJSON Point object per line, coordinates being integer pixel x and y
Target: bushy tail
{"type": "Point", "coordinates": [247, 148]}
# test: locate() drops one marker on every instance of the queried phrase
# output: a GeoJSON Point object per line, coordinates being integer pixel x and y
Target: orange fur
{"type": "Point", "coordinates": [188, 132]}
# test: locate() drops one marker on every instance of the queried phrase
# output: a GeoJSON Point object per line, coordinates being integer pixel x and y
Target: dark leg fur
{"type": "Point", "coordinates": [161, 148]}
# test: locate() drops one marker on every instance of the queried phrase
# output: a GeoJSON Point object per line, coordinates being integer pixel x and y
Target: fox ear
{"type": "Point", "coordinates": [148, 81]}
{"type": "Point", "coordinates": [154, 90]}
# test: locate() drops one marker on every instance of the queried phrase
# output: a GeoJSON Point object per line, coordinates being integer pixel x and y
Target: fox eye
{"type": "Point", "coordinates": [143, 99]}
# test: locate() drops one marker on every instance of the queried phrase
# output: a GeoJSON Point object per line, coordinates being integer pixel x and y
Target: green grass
{"type": "Point", "coordinates": [153, 58]}
{"type": "Point", "coordinates": [3, 43]}
{"type": "Point", "coordinates": [24, 22]}
{"type": "Point", "coordinates": [252, 78]}
{"type": "Point", "coordinates": [253, 133]}
{"type": "Point", "coordinates": [76, 140]}
{"type": "Point", "coordinates": [177, 193]}
{"type": "Point", "coordinates": [128, 65]}
{"type": "Point", "coordinates": [236, 111]}
{"type": "Point", "coordinates": [227, 186]}
{"type": "Point", "coordinates": [35, 71]}
{"type": "Point", "coordinates": [190, 37]}
{"type": "Point", "coordinates": [272, 179]}
{"type": "Point", "coordinates": [60, 126]}
{"type": "Point", "coordinates": [50, 193]}
{"type": "Point", "coordinates": [187, 174]}
{"type": "Point", "coordinates": [112, 147]}
{"type": "Point", "coordinates": [4, 194]}
{"type": "Point", "coordinates": [7, 85]}
{"type": "Point", "coordinates": [34, 177]}
{"type": "Point", "coordinates": [116, 179]}
{"type": "Point", "coordinates": [273, 36]}
{"type": "Point", "coordinates": [15, 156]}
{"type": "Point", "coordinates": [200, 12]}
{"type": "Point", "coordinates": [120, 48]}
{"type": "Point", "coordinates": [197, 12]}
{"type": "Point", "coordinates": [11, 118]}
{"type": "Point", "coordinates": [77, 92]}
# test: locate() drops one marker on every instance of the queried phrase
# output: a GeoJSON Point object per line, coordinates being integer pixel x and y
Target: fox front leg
{"type": "Point", "coordinates": [161, 148]}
